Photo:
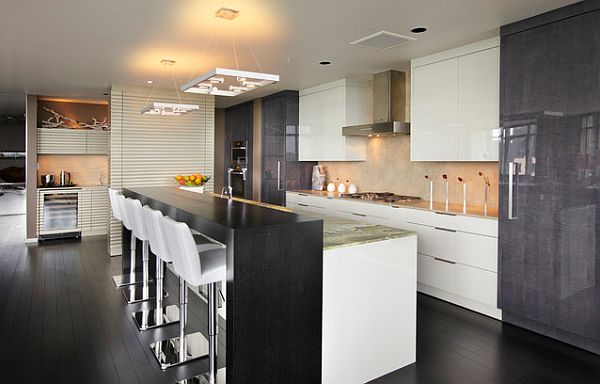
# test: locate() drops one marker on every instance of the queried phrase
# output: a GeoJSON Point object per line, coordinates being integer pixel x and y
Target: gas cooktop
{"type": "Point", "coordinates": [384, 197]}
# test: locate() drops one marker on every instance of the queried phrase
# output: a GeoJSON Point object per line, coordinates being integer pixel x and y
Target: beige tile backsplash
{"type": "Point", "coordinates": [388, 168]}
{"type": "Point", "coordinates": [84, 169]}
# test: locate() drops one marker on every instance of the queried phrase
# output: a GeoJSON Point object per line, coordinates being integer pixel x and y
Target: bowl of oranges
{"type": "Point", "coordinates": [194, 182]}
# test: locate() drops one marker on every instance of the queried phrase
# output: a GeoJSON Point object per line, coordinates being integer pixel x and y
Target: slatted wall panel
{"type": "Point", "coordinates": [97, 142]}
{"type": "Point", "coordinates": [61, 141]}
{"type": "Point", "coordinates": [65, 141]}
{"type": "Point", "coordinates": [150, 150]}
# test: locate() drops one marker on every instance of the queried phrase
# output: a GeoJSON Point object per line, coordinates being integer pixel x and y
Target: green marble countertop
{"type": "Point", "coordinates": [339, 233]}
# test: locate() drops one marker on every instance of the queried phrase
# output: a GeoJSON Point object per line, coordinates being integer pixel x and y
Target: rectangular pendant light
{"type": "Point", "coordinates": [228, 82]}
{"type": "Point", "coordinates": [168, 109]}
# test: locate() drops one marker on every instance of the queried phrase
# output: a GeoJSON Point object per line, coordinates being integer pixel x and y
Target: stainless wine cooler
{"type": "Point", "coordinates": [58, 212]}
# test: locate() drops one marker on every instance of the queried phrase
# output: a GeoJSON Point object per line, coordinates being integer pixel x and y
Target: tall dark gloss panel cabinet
{"type": "Point", "coordinates": [549, 221]}
{"type": "Point", "coordinates": [281, 169]}
{"type": "Point", "coordinates": [239, 125]}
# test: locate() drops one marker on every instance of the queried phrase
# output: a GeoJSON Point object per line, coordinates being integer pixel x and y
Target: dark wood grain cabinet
{"type": "Point", "coordinates": [549, 231]}
{"type": "Point", "coordinates": [281, 169]}
{"type": "Point", "coordinates": [239, 123]}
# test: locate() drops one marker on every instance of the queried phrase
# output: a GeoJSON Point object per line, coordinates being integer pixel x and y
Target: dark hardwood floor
{"type": "Point", "coordinates": [63, 321]}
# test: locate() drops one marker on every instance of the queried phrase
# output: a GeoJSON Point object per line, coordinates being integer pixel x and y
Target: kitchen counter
{"type": "Point", "coordinates": [456, 209]}
{"type": "Point", "coordinates": [73, 187]}
{"type": "Point", "coordinates": [339, 233]}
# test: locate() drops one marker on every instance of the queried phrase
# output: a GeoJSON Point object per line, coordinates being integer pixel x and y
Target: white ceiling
{"type": "Point", "coordinates": [74, 48]}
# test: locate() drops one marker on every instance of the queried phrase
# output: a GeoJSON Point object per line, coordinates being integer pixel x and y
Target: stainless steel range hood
{"type": "Point", "coordinates": [389, 108]}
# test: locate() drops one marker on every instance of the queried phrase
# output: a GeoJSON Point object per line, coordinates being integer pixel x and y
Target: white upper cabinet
{"type": "Point", "coordinates": [455, 104]}
{"type": "Point", "coordinates": [478, 105]}
{"type": "Point", "coordinates": [434, 113]}
{"type": "Point", "coordinates": [324, 111]}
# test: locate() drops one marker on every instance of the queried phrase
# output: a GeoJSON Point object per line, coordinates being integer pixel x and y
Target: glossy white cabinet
{"type": "Point", "coordinates": [324, 111]}
{"type": "Point", "coordinates": [457, 255]}
{"type": "Point", "coordinates": [455, 104]}
{"type": "Point", "coordinates": [478, 105]}
{"type": "Point", "coordinates": [434, 111]}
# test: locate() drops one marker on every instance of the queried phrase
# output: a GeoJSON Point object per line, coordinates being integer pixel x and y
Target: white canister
{"type": "Point", "coordinates": [341, 188]}
{"type": "Point", "coordinates": [352, 188]}
{"type": "Point", "coordinates": [331, 187]}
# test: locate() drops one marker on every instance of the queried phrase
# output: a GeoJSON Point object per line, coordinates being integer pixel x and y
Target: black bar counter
{"type": "Point", "coordinates": [274, 282]}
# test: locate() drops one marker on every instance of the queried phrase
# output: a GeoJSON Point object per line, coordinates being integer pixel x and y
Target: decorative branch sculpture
{"type": "Point", "coordinates": [58, 120]}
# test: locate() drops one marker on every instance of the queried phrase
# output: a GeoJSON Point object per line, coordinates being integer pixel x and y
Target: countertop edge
{"type": "Point", "coordinates": [335, 195]}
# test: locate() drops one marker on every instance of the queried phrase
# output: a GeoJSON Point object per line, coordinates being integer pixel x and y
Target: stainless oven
{"type": "Point", "coordinates": [58, 213]}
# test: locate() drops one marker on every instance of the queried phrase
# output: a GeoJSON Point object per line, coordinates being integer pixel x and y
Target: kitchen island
{"type": "Point", "coordinates": [274, 282]}
{"type": "Point", "coordinates": [369, 300]}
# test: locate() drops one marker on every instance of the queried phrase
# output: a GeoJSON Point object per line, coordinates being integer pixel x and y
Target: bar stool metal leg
{"type": "Point", "coordinates": [132, 277]}
{"type": "Point", "coordinates": [161, 315]}
{"type": "Point", "coordinates": [144, 292]}
{"type": "Point", "coordinates": [185, 347]}
{"type": "Point", "coordinates": [214, 375]}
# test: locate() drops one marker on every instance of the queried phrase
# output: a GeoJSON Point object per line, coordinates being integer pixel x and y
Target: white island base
{"type": "Point", "coordinates": [369, 309]}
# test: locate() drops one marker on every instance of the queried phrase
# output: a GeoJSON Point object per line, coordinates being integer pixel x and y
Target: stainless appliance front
{"type": "Point", "coordinates": [60, 214]}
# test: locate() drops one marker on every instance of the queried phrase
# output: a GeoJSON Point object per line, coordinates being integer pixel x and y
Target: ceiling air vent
{"type": "Point", "coordinates": [383, 40]}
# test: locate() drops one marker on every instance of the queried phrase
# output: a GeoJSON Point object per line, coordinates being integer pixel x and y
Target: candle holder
{"type": "Point", "coordinates": [487, 184]}
{"type": "Point", "coordinates": [430, 182]}
{"type": "Point", "coordinates": [445, 178]}
{"type": "Point", "coordinates": [464, 184]}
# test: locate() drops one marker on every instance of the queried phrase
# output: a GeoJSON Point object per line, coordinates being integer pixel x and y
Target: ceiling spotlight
{"type": "Point", "coordinates": [149, 82]}
{"type": "Point", "coordinates": [325, 62]}
{"type": "Point", "coordinates": [418, 30]}
{"type": "Point", "coordinates": [227, 13]}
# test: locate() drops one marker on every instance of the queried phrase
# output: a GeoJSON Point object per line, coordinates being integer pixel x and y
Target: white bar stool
{"type": "Point", "coordinates": [132, 277]}
{"type": "Point", "coordinates": [160, 315]}
{"type": "Point", "coordinates": [144, 292]}
{"type": "Point", "coordinates": [196, 265]}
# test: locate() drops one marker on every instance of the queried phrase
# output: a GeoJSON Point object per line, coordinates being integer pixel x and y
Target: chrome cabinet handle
{"type": "Point", "coordinates": [303, 205]}
{"type": "Point", "coordinates": [512, 170]}
{"type": "Point", "coordinates": [359, 214]}
{"type": "Point", "coordinates": [445, 229]}
{"type": "Point", "coordinates": [445, 213]}
{"type": "Point", "coordinates": [444, 260]}
{"type": "Point", "coordinates": [279, 176]}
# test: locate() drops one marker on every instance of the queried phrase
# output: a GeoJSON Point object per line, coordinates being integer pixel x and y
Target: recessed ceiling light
{"type": "Point", "coordinates": [227, 13]}
{"type": "Point", "coordinates": [418, 30]}
{"type": "Point", "coordinates": [325, 62]}
{"type": "Point", "coordinates": [149, 82]}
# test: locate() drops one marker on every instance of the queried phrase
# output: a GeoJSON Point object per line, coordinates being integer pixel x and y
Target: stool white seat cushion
{"type": "Point", "coordinates": [134, 210]}
{"type": "Point", "coordinates": [114, 204]}
{"type": "Point", "coordinates": [152, 219]}
{"type": "Point", "coordinates": [196, 264]}
{"type": "Point", "coordinates": [126, 219]}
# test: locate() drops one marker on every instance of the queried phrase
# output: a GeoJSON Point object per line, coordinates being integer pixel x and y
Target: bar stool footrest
{"type": "Point", "coordinates": [129, 279]}
{"type": "Point", "coordinates": [203, 379]}
{"type": "Point", "coordinates": [139, 293]}
{"type": "Point", "coordinates": [147, 319]}
{"type": "Point", "coordinates": [167, 351]}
